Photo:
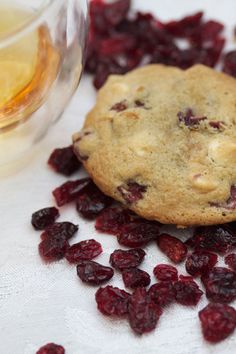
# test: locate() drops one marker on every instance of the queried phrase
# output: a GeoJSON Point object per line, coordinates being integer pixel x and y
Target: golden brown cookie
{"type": "Point", "coordinates": [163, 141]}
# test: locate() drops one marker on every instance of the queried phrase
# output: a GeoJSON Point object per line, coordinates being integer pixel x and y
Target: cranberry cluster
{"type": "Point", "coordinates": [120, 40]}
{"type": "Point", "coordinates": [143, 307]}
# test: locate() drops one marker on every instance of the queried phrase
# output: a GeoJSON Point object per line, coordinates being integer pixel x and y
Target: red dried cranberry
{"type": "Point", "coordinates": [132, 191]}
{"type": "Point", "coordinates": [137, 234]}
{"type": "Point", "coordinates": [217, 238]}
{"type": "Point", "coordinates": [143, 313]}
{"type": "Point", "coordinates": [121, 259]}
{"type": "Point", "coordinates": [104, 15]}
{"type": "Point", "coordinates": [61, 230]}
{"type": "Point", "coordinates": [165, 272]}
{"type": "Point", "coordinates": [69, 191]}
{"type": "Point", "coordinates": [189, 119]}
{"type": "Point", "coordinates": [112, 219]}
{"type": "Point", "coordinates": [218, 321]}
{"type": "Point", "coordinates": [230, 260]}
{"type": "Point", "coordinates": [220, 284]}
{"type": "Point", "coordinates": [92, 201]}
{"type": "Point", "coordinates": [112, 301]}
{"type": "Point", "coordinates": [185, 26]}
{"type": "Point", "coordinates": [229, 63]}
{"type": "Point", "coordinates": [187, 292]}
{"type": "Point", "coordinates": [200, 262]}
{"type": "Point", "coordinates": [173, 248]}
{"type": "Point", "coordinates": [119, 106]}
{"type": "Point", "coordinates": [44, 217]}
{"type": "Point", "coordinates": [64, 161]}
{"type": "Point", "coordinates": [185, 277]}
{"type": "Point", "coordinates": [51, 348]}
{"type": "Point", "coordinates": [134, 278]}
{"type": "Point", "coordinates": [83, 251]}
{"type": "Point", "coordinates": [53, 248]}
{"type": "Point", "coordinates": [162, 293]}
{"type": "Point", "coordinates": [94, 273]}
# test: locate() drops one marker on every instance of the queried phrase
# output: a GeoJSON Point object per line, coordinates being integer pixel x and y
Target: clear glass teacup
{"type": "Point", "coordinates": [42, 44]}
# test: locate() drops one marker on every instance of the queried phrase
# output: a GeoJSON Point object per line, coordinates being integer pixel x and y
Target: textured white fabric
{"type": "Point", "coordinates": [42, 303]}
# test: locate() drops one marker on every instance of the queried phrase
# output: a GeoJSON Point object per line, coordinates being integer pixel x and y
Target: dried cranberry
{"type": "Point", "coordinates": [229, 63]}
{"type": "Point", "coordinates": [165, 272]}
{"type": "Point", "coordinates": [91, 201]}
{"type": "Point", "coordinates": [185, 277]}
{"type": "Point", "coordinates": [132, 191]}
{"type": "Point", "coordinates": [137, 234]}
{"type": "Point", "coordinates": [121, 259]}
{"type": "Point", "coordinates": [94, 273]}
{"type": "Point", "coordinates": [162, 293]}
{"type": "Point", "coordinates": [61, 230]}
{"type": "Point", "coordinates": [135, 278]}
{"type": "Point", "coordinates": [218, 321]}
{"type": "Point", "coordinates": [69, 191]}
{"type": "Point", "coordinates": [112, 219]}
{"type": "Point", "coordinates": [53, 248]}
{"type": "Point", "coordinates": [220, 284]}
{"type": "Point", "coordinates": [185, 26]}
{"type": "Point", "coordinates": [119, 106]}
{"type": "Point", "coordinates": [104, 15]}
{"type": "Point", "coordinates": [112, 301]}
{"type": "Point", "coordinates": [189, 119]}
{"type": "Point", "coordinates": [143, 313]}
{"type": "Point", "coordinates": [187, 292]}
{"type": "Point", "coordinates": [51, 348]}
{"type": "Point", "coordinates": [200, 262]}
{"type": "Point", "coordinates": [174, 249]}
{"type": "Point", "coordinates": [44, 217]}
{"type": "Point", "coordinates": [230, 260]}
{"type": "Point", "coordinates": [64, 161]}
{"type": "Point", "coordinates": [83, 251]}
{"type": "Point", "coordinates": [217, 238]}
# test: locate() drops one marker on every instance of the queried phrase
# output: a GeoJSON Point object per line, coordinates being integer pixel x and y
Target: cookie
{"type": "Point", "coordinates": [163, 141]}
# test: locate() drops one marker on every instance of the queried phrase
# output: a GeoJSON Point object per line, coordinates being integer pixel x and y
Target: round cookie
{"type": "Point", "coordinates": [163, 141]}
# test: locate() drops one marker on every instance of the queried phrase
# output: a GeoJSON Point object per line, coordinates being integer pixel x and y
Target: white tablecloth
{"type": "Point", "coordinates": [47, 303]}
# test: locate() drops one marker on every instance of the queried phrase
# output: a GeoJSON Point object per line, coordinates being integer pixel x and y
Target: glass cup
{"type": "Point", "coordinates": [42, 44]}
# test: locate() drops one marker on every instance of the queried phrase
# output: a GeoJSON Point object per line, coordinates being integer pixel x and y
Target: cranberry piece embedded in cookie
{"type": "Point", "coordinates": [94, 273]}
{"type": "Point", "coordinates": [230, 260]}
{"type": "Point", "coordinates": [200, 262]}
{"type": "Point", "coordinates": [143, 312]}
{"type": "Point", "coordinates": [92, 201]}
{"type": "Point", "coordinates": [121, 259]}
{"type": "Point", "coordinates": [51, 348]}
{"type": "Point", "coordinates": [69, 191]}
{"type": "Point", "coordinates": [173, 248]}
{"type": "Point", "coordinates": [165, 272]}
{"type": "Point", "coordinates": [44, 217]}
{"type": "Point", "coordinates": [119, 106]}
{"type": "Point", "coordinates": [220, 284]}
{"type": "Point", "coordinates": [83, 251]}
{"type": "Point", "coordinates": [162, 293]}
{"type": "Point", "coordinates": [216, 238]}
{"type": "Point", "coordinates": [218, 321]}
{"type": "Point", "coordinates": [187, 292]}
{"type": "Point", "coordinates": [137, 234]}
{"type": "Point", "coordinates": [132, 191]}
{"type": "Point", "coordinates": [112, 301]}
{"type": "Point", "coordinates": [189, 119]}
{"type": "Point", "coordinates": [61, 230]}
{"type": "Point", "coordinates": [64, 161]}
{"type": "Point", "coordinates": [135, 278]}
